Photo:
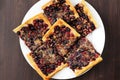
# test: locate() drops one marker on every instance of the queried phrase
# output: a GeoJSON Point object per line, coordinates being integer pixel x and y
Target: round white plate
{"type": "Point", "coordinates": [97, 37]}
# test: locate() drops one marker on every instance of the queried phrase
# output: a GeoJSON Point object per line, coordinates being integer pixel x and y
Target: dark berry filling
{"type": "Point", "coordinates": [47, 58]}
{"type": "Point", "coordinates": [31, 27]}
{"type": "Point", "coordinates": [32, 33]}
{"type": "Point", "coordinates": [62, 38]}
{"type": "Point", "coordinates": [59, 9]}
{"type": "Point", "coordinates": [82, 24]}
{"type": "Point", "coordinates": [82, 54]}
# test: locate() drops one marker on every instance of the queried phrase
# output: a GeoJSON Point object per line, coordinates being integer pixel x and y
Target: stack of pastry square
{"type": "Point", "coordinates": [56, 38]}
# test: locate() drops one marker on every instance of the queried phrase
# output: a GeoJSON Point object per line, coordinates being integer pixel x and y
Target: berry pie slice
{"type": "Point", "coordinates": [33, 30]}
{"type": "Point", "coordinates": [84, 24]}
{"type": "Point", "coordinates": [82, 57]}
{"type": "Point", "coordinates": [60, 9]}
{"type": "Point", "coordinates": [62, 36]}
{"type": "Point", "coordinates": [46, 60]}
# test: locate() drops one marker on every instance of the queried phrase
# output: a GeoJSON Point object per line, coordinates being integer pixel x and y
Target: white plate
{"type": "Point", "coordinates": [97, 37]}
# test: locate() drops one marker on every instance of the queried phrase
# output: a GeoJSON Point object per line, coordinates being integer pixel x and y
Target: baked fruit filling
{"type": "Point", "coordinates": [82, 54]}
{"type": "Point", "coordinates": [82, 24]}
{"type": "Point", "coordinates": [62, 36]}
{"type": "Point", "coordinates": [47, 58]}
{"type": "Point", "coordinates": [60, 9]}
{"type": "Point", "coordinates": [32, 33]}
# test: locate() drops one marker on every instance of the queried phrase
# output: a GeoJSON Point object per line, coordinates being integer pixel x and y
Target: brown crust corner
{"type": "Point", "coordinates": [59, 22]}
{"type": "Point", "coordinates": [30, 21]}
{"type": "Point", "coordinates": [40, 72]}
{"type": "Point", "coordinates": [93, 63]}
{"type": "Point", "coordinates": [88, 12]}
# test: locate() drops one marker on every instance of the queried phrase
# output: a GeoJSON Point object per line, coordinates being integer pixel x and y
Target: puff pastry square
{"type": "Point", "coordinates": [33, 30]}
{"type": "Point", "coordinates": [62, 36]}
{"type": "Point", "coordinates": [60, 9]}
{"type": "Point", "coordinates": [85, 23]}
{"type": "Point", "coordinates": [46, 61]}
{"type": "Point", "coordinates": [83, 56]}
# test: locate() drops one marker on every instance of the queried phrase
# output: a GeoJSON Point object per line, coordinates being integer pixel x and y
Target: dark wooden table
{"type": "Point", "coordinates": [13, 65]}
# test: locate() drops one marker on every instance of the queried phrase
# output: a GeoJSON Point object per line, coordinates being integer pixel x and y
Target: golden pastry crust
{"type": "Point", "coordinates": [40, 72]}
{"type": "Point", "coordinates": [72, 8]}
{"type": "Point", "coordinates": [91, 64]}
{"type": "Point", "coordinates": [67, 2]}
{"type": "Point", "coordinates": [30, 21]}
{"type": "Point", "coordinates": [88, 12]}
{"type": "Point", "coordinates": [59, 22]}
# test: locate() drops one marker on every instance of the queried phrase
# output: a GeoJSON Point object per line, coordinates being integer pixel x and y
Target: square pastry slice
{"type": "Point", "coordinates": [46, 61]}
{"type": "Point", "coordinates": [83, 56]}
{"type": "Point", "coordinates": [85, 24]}
{"type": "Point", "coordinates": [33, 30]}
{"type": "Point", "coordinates": [62, 36]}
{"type": "Point", "coordinates": [60, 9]}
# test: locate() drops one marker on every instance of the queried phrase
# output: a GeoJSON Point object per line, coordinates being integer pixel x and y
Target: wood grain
{"type": "Point", "coordinates": [12, 63]}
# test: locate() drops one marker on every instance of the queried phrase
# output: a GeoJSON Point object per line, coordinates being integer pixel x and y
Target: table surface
{"type": "Point", "coordinates": [13, 65]}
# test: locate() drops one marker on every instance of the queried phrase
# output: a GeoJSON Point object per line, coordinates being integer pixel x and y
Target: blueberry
{"type": "Point", "coordinates": [41, 20]}
{"type": "Point", "coordinates": [57, 28]}
{"type": "Point", "coordinates": [31, 27]}
{"type": "Point", "coordinates": [67, 29]}
{"type": "Point", "coordinates": [92, 26]}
